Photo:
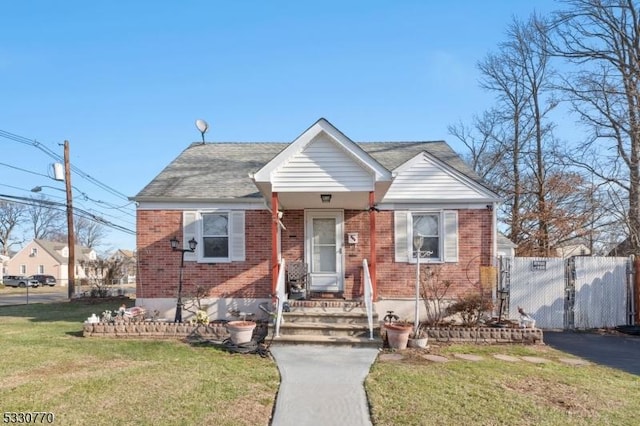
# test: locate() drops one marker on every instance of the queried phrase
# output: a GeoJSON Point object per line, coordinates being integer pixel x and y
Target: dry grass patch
{"type": "Point", "coordinates": [415, 391]}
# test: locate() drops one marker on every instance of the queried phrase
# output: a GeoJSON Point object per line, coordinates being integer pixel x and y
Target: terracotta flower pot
{"type": "Point", "coordinates": [240, 331]}
{"type": "Point", "coordinates": [398, 335]}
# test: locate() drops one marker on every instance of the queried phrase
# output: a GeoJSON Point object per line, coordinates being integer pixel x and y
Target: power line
{"type": "Point", "coordinates": [25, 141]}
{"type": "Point", "coordinates": [62, 207]}
{"type": "Point", "coordinates": [24, 170]}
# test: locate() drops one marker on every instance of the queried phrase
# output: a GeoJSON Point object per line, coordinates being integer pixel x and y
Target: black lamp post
{"type": "Point", "coordinates": [175, 243]}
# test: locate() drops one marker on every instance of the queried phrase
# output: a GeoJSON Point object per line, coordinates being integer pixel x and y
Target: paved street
{"type": "Point", "coordinates": [42, 295]}
{"type": "Point", "coordinates": [619, 351]}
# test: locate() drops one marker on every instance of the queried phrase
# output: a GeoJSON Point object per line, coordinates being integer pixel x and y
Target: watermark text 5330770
{"type": "Point", "coordinates": [28, 417]}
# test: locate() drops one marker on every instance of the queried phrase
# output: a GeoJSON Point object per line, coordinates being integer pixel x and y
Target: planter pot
{"type": "Point", "coordinates": [240, 331]}
{"type": "Point", "coordinates": [418, 343]}
{"type": "Point", "coordinates": [398, 335]}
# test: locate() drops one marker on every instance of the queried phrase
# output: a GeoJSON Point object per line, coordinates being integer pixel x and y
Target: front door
{"type": "Point", "coordinates": [323, 249]}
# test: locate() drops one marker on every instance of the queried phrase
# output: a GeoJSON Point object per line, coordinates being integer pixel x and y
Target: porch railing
{"type": "Point", "coordinates": [368, 296]}
{"type": "Point", "coordinates": [281, 297]}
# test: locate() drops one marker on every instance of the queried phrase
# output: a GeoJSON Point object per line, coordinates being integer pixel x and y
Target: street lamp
{"type": "Point", "coordinates": [175, 244]}
{"type": "Point", "coordinates": [39, 188]}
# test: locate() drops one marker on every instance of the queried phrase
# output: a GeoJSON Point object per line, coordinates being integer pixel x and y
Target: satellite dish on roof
{"type": "Point", "coordinates": [202, 126]}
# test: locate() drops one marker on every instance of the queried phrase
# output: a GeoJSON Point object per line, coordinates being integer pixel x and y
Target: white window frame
{"type": "Point", "coordinates": [211, 259]}
{"type": "Point", "coordinates": [23, 269]}
{"type": "Point", "coordinates": [440, 236]}
{"type": "Point", "coordinates": [448, 236]}
{"type": "Point", "coordinates": [41, 269]}
{"type": "Point", "coordinates": [193, 227]}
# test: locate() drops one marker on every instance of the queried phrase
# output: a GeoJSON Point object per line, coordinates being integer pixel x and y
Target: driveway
{"type": "Point", "coordinates": [619, 351]}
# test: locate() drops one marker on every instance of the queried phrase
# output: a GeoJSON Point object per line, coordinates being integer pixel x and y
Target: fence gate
{"type": "Point", "coordinates": [580, 292]}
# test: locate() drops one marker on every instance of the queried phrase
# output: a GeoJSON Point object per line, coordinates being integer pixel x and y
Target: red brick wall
{"type": "Point", "coordinates": [159, 266]}
{"type": "Point", "coordinates": [474, 250]}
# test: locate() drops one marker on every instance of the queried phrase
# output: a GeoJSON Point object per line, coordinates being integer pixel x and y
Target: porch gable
{"type": "Point", "coordinates": [322, 160]}
{"type": "Point", "coordinates": [426, 178]}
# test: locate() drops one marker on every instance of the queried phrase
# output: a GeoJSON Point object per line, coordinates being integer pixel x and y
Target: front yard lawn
{"type": "Point", "coordinates": [46, 366]}
{"type": "Point", "coordinates": [414, 391]}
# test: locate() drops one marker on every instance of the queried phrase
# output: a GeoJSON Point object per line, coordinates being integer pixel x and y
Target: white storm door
{"type": "Point", "coordinates": [324, 251]}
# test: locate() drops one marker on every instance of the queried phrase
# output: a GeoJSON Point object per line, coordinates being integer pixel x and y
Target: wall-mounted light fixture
{"type": "Point", "coordinates": [326, 198]}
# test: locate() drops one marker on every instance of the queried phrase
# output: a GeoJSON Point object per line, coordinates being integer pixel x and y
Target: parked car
{"type": "Point", "coordinates": [49, 280]}
{"type": "Point", "coordinates": [19, 281]}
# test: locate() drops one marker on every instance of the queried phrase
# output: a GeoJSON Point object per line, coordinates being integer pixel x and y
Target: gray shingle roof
{"type": "Point", "coordinates": [220, 170]}
{"type": "Point", "coordinates": [53, 247]}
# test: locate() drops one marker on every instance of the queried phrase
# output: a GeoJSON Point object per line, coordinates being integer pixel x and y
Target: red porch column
{"type": "Point", "coordinates": [275, 267]}
{"type": "Point", "coordinates": [372, 242]}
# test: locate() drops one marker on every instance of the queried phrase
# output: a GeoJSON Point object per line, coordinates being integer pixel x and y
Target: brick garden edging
{"type": "Point", "coordinates": [218, 332]}
{"type": "Point", "coordinates": [159, 330]}
{"type": "Point", "coordinates": [484, 334]}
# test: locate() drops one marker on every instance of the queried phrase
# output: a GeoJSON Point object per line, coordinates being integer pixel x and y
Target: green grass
{"type": "Point", "coordinates": [47, 366]}
{"type": "Point", "coordinates": [415, 391]}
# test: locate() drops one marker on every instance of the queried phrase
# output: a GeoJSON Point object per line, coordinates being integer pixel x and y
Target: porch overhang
{"type": "Point", "coordinates": [323, 161]}
{"type": "Point", "coordinates": [348, 200]}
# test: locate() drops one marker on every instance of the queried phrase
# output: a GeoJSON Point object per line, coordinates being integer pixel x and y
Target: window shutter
{"type": "Point", "coordinates": [189, 231]}
{"type": "Point", "coordinates": [400, 234]}
{"type": "Point", "coordinates": [237, 237]}
{"type": "Point", "coordinates": [450, 236]}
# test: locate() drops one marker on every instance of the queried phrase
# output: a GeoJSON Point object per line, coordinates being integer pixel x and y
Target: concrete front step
{"type": "Point", "coordinates": [329, 322]}
{"type": "Point", "coordinates": [325, 329]}
{"type": "Point", "coordinates": [328, 317]}
{"type": "Point", "coordinates": [326, 341]}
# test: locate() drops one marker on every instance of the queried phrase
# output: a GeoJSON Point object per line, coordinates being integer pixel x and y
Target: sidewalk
{"type": "Point", "coordinates": [322, 385]}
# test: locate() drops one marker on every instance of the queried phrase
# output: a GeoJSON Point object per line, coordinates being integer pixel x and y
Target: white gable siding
{"type": "Point", "coordinates": [424, 179]}
{"type": "Point", "coordinates": [322, 166]}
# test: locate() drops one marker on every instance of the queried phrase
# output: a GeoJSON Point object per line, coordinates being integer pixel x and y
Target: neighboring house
{"type": "Point", "coordinates": [49, 258]}
{"type": "Point", "coordinates": [569, 250]}
{"type": "Point", "coordinates": [322, 199]}
{"type": "Point", "coordinates": [506, 247]}
{"type": "Point", "coordinates": [4, 260]}
{"type": "Point", "coordinates": [129, 265]}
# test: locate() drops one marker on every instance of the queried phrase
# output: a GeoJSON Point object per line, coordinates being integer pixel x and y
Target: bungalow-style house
{"type": "Point", "coordinates": [49, 258]}
{"type": "Point", "coordinates": [321, 200]}
{"type": "Point", "coordinates": [128, 265]}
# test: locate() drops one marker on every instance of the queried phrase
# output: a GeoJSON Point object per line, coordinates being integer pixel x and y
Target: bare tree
{"type": "Point", "coordinates": [89, 233]}
{"type": "Point", "coordinates": [11, 215]}
{"type": "Point", "coordinates": [601, 39]}
{"type": "Point", "coordinates": [511, 143]}
{"type": "Point", "coordinates": [45, 221]}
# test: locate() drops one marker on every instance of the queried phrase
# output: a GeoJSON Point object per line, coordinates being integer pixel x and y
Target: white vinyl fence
{"type": "Point", "coordinates": [580, 292]}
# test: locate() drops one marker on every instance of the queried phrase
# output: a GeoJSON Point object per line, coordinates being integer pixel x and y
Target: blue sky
{"type": "Point", "coordinates": [124, 81]}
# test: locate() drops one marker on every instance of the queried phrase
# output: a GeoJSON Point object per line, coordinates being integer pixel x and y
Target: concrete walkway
{"type": "Point", "coordinates": [322, 385]}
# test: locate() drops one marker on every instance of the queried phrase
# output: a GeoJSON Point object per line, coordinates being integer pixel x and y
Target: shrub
{"type": "Point", "coordinates": [470, 308]}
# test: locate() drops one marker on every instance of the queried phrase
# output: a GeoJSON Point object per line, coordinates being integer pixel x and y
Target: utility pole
{"type": "Point", "coordinates": [71, 240]}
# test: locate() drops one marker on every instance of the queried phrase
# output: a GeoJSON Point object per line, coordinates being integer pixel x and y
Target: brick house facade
{"type": "Point", "coordinates": [229, 197]}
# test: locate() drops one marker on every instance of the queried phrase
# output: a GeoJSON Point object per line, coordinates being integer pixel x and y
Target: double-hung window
{"type": "Point", "coordinates": [215, 235]}
{"type": "Point", "coordinates": [433, 233]}
{"type": "Point", "coordinates": [220, 235]}
{"type": "Point", "coordinates": [426, 235]}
